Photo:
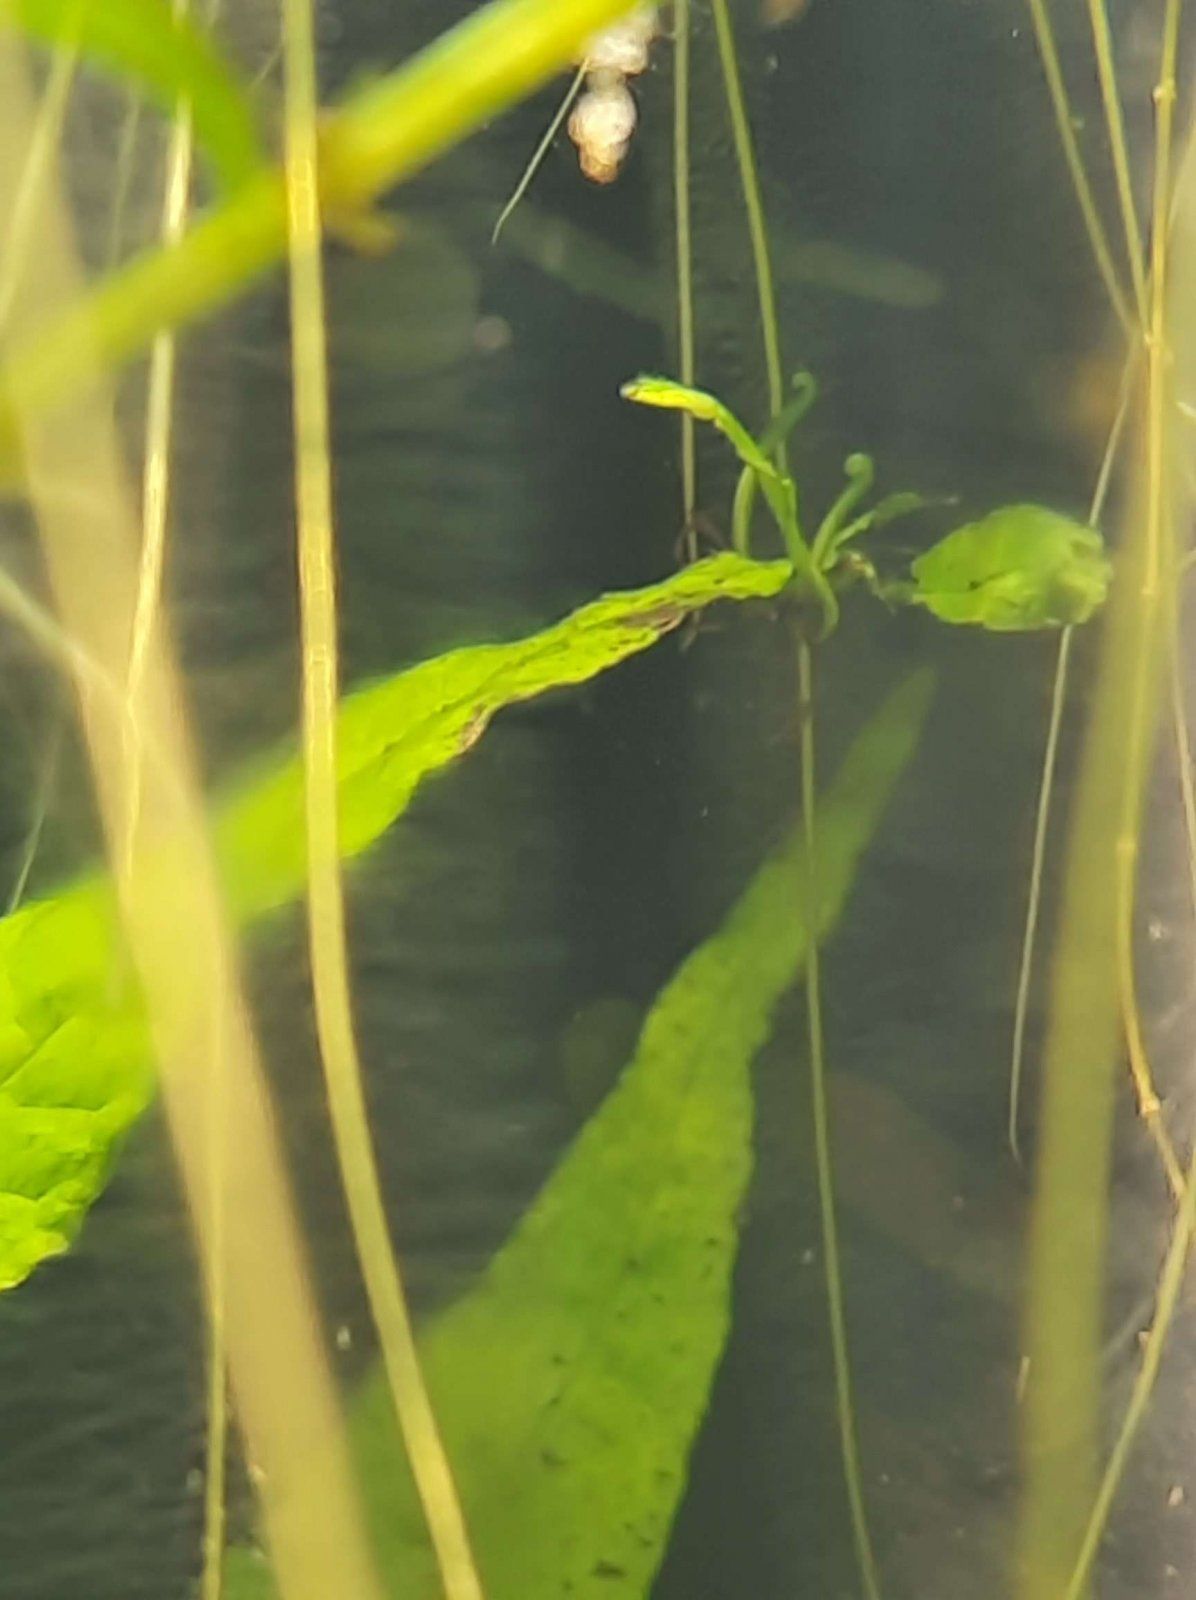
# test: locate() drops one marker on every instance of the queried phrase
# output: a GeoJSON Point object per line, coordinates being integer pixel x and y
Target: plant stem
{"type": "Point", "coordinates": [381, 136]}
{"type": "Point", "coordinates": [684, 252]}
{"type": "Point", "coordinates": [173, 914]}
{"type": "Point", "coordinates": [1098, 239]}
{"type": "Point", "coordinates": [1115, 126]}
{"type": "Point", "coordinates": [1062, 1495]}
{"type": "Point", "coordinates": [754, 206]}
{"type": "Point", "coordinates": [1170, 1282]}
{"type": "Point", "coordinates": [527, 176]}
{"type": "Point", "coordinates": [770, 330]}
{"type": "Point", "coordinates": [326, 907]}
{"type": "Point", "coordinates": [840, 1352]}
{"type": "Point", "coordinates": [1046, 788]}
{"type": "Point", "coordinates": [1158, 578]}
{"type": "Point", "coordinates": [155, 520]}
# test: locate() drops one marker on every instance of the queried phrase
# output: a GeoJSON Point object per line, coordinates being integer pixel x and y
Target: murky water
{"type": "Point", "coordinates": [509, 934]}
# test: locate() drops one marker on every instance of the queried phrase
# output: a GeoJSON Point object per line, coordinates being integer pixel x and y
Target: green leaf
{"type": "Point", "coordinates": [1017, 569]}
{"type": "Point", "coordinates": [165, 55]}
{"type": "Point", "coordinates": [901, 504]}
{"type": "Point", "coordinates": [571, 1383]}
{"type": "Point", "coordinates": [392, 735]}
{"type": "Point", "coordinates": [803, 393]}
{"type": "Point", "coordinates": [75, 1071]}
{"type": "Point", "coordinates": [651, 390]}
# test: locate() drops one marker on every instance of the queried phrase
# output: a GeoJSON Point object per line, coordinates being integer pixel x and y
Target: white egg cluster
{"type": "Point", "coordinates": [605, 116]}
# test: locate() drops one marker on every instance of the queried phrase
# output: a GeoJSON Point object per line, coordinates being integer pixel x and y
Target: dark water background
{"type": "Point", "coordinates": [488, 478]}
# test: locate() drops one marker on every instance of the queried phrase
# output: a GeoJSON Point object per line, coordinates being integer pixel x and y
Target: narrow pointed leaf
{"type": "Point", "coordinates": [393, 734]}
{"type": "Point", "coordinates": [75, 1070]}
{"type": "Point", "coordinates": [901, 504]}
{"type": "Point", "coordinates": [571, 1383]}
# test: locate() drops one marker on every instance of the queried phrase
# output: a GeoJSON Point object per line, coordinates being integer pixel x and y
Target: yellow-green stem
{"type": "Point", "coordinates": [770, 330]}
{"type": "Point", "coordinates": [1061, 1413]}
{"type": "Point", "coordinates": [1115, 126]}
{"type": "Point", "coordinates": [685, 277]}
{"type": "Point", "coordinates": [1065, 124]}
{"type": "Point", "coordinates": [1046, 787]}
{"type": "Point", "coordinates": [754, 206]}
{"type": "Point", "coordinates": [326, 906]}
{"type": "Point", "coordinates": [836, 1311]}
{"type": "Point", "coordinates": [172, 911]}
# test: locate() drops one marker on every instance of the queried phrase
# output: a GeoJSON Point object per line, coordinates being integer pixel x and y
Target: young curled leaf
{"type": "Point", "coordinates": [1018, 569]}
{"type": "Point", "coordinates": [649, 389]}
{"type": "Point", "coordinates": [163, 54]}
{"type": "Point", "coordinates": [900, 504]}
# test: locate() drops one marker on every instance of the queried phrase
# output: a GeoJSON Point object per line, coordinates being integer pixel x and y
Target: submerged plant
{"type": "Point", "coordinates": [570, 1384]}
{"type": "Point", "coordinates": [1021, 568]}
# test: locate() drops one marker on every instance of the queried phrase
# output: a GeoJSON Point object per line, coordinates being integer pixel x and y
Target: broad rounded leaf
{"type": "Point", "coordinates": [1018, 569]}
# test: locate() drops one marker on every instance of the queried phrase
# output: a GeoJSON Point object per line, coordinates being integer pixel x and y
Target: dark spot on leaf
{"type": "Point", "coordinates": [609, 1569]}
{"type": "Point", "coordinates": [659, 618]}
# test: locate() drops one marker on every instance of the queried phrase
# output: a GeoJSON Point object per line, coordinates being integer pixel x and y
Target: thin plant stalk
{"type": "Point", "coordinates": [1098, 239]}
{"type": "Point", "coordinates": [47, 782]}
{"type": "Point", "coordinates": [528, 175]}
{"type": "Point", "coordinates": [1170, 1283]}
{"type": "Point", "coordinates": [326, 907]}
{"type": "Point", "coordinates": [1187, 788]}
{"type": "Point", "coordinates": [1102, 45]}
{"type": "Point", "coordinates": [171, 909]}
{"type": "Point", "coordinates": [155, 484]}
{"type": "Point", "coordinates": [1159, 561]}
{"type": "Point", "coordinates": [1142, 1078]}
{"type": "Point", "coordinates": [683, 211]}
{"type": "Point", "coordinates": [753, 202]}
{"type": "Point", "coordinates": [211, 1580]}
{"type": "Point", "coordinates": [45, 138]}
{"type": "Point", "coordinates": [1061, 1414]}
{"type": "Point", "coordinates": [1158, 583]}
{"type": "Point", "coordinates": [840, 1351]}
{"type": "Point", "coordinates": [770, 328]}
{"type": "Point", "coordinates": [155, 518]}
{"type": "Point", "coordinates": [1046, 790]}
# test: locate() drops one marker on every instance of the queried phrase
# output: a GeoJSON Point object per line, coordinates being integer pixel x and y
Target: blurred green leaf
{"type": "Point", "coordinates": [164, 54]}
